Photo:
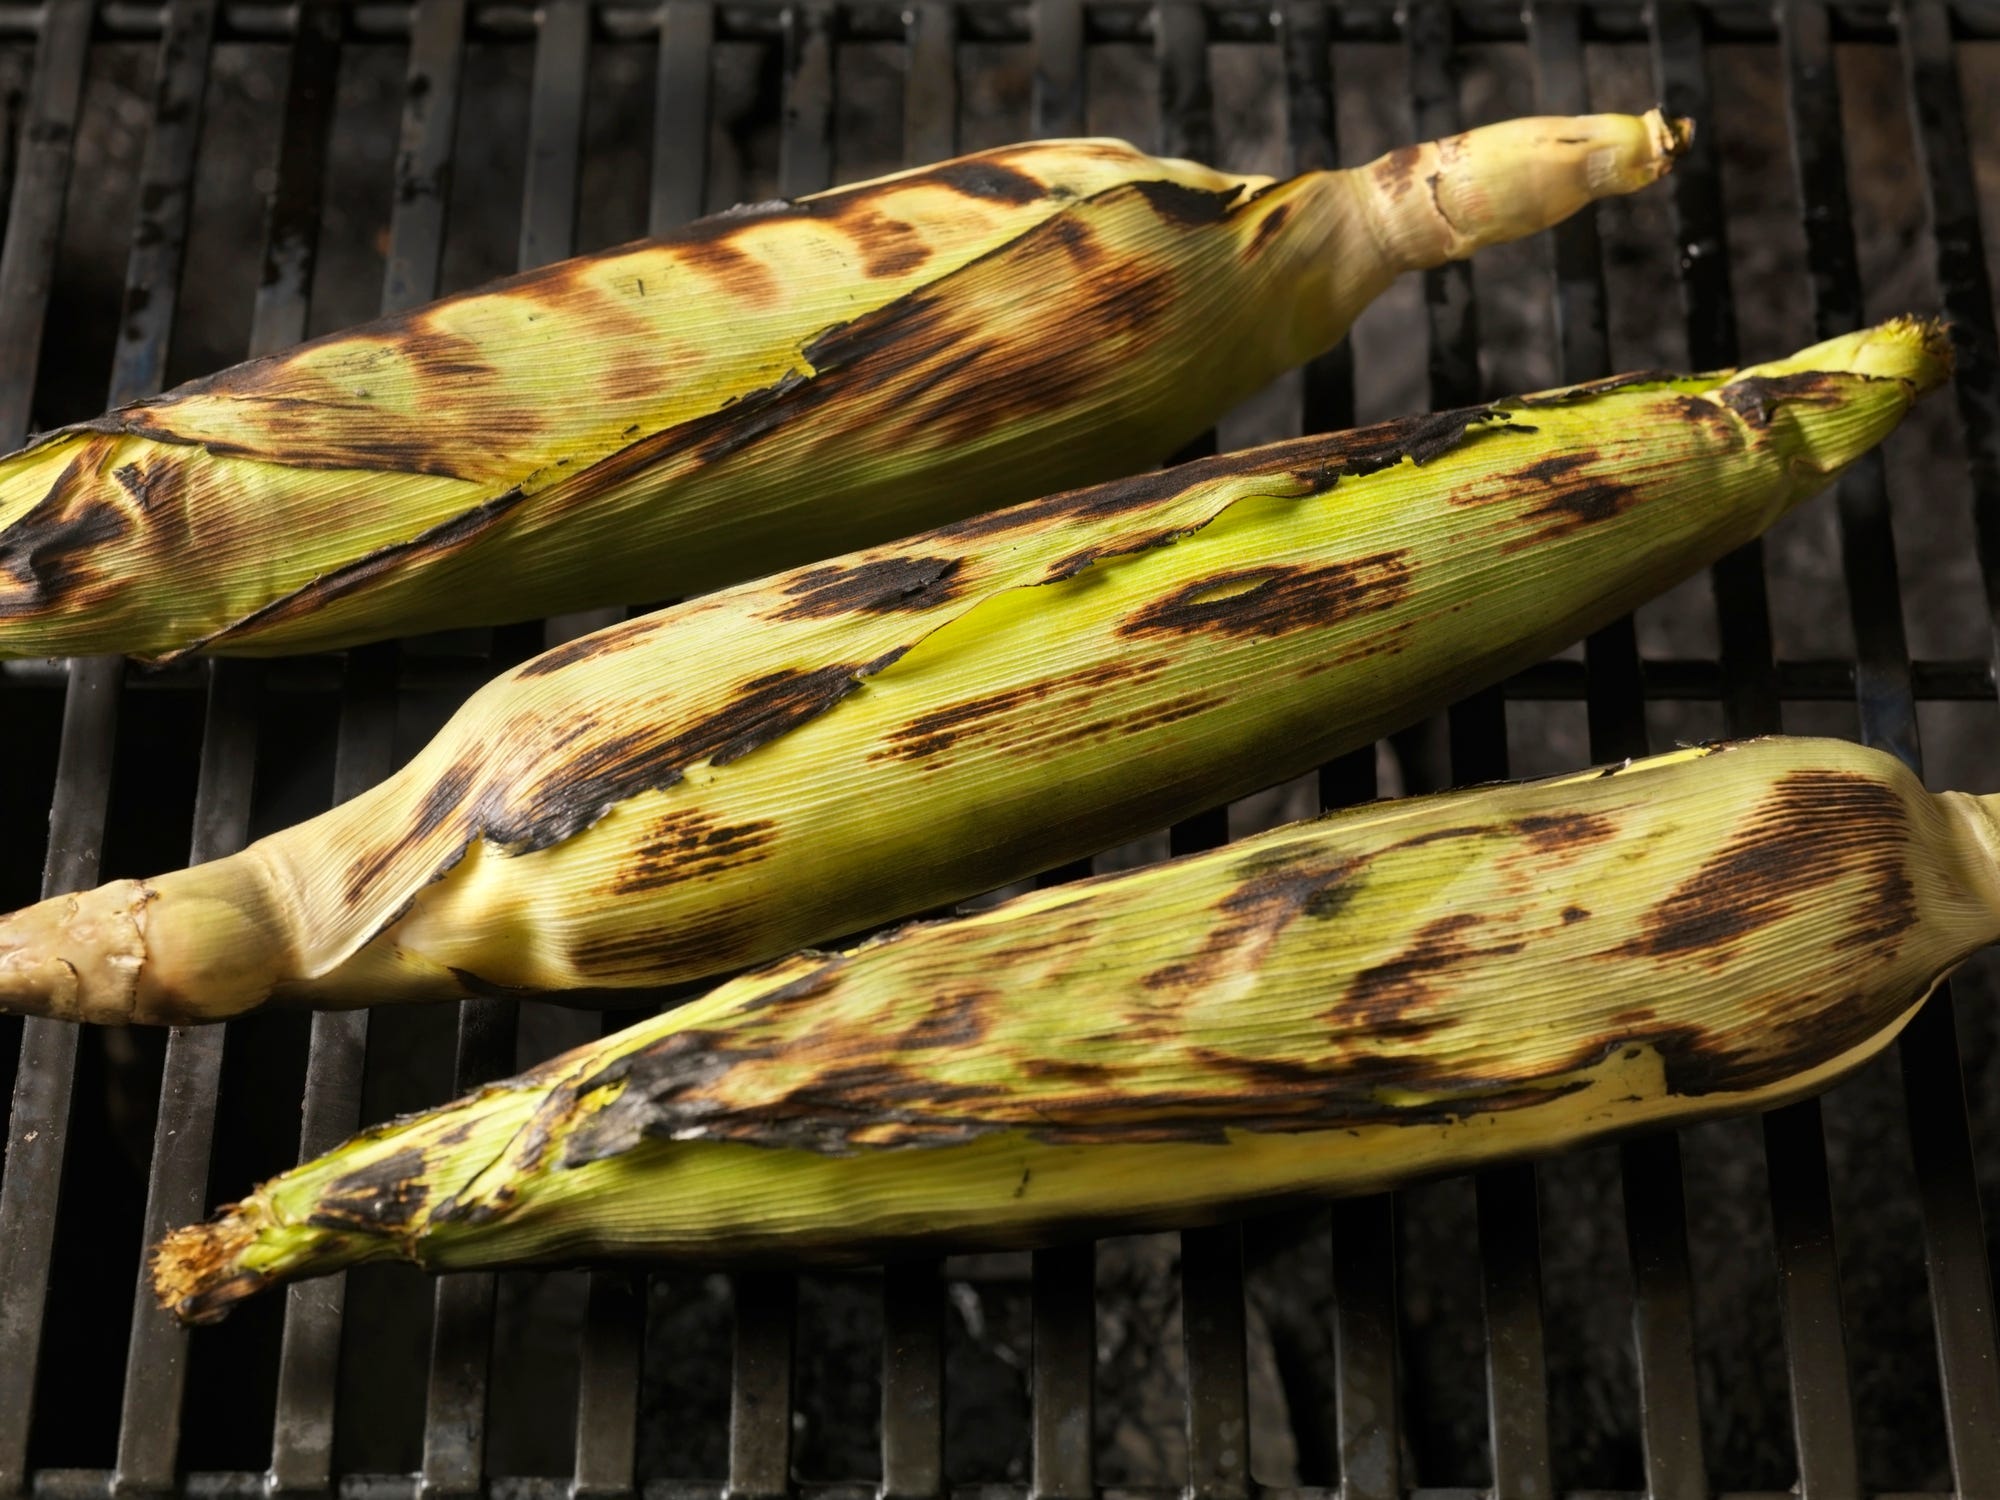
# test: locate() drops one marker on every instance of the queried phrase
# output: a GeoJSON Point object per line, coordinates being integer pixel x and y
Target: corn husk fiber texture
{"type": "Point", "coordinates": [800, 758]}
{"type": "Point", "coordinates": [1337, 1006]}
{"type": "Point", "coordinates": [776, 384]}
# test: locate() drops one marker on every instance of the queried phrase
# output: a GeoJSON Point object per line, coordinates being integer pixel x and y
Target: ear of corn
{"type": "Point", "coordinates": [788, 761]}
{"type": "Point", "coordinates": [1335, 1006]}
{"type": "Point", "coordinates": [772, 385]}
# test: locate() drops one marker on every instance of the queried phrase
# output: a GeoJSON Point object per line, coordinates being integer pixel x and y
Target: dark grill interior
{"type": "Point", "coordinates": [1661, 1318]}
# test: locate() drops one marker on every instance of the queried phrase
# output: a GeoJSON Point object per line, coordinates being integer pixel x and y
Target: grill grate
{"type": "Point", "coordinates": [1612, 681]}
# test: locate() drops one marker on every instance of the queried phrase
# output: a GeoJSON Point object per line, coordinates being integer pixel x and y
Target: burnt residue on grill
{"type": "Point", "coordinates": [1813, 829]}
{"type": "Point", "coordinates": [1274, 600]}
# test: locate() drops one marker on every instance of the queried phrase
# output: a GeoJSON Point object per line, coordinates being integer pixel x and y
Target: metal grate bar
{"type": "Point", "coordinates": [1655, 1212]}
{"type": "Point", "coordinates": [1933, 1078]}
{"type": "Point", "coordinates": [680, 114]}
{"type": "Point", "coordinates": [1114, 21]}
{"type": "Point", "coordinates": [1218, 1373]}
{"type": "Point", "coordinates": [760, 1387]}
{"type": "Point", "coordinates": [155, 1362]}
{"type": "Point", "coordinates": [96, 1484]}
{"type": "Point", "coordinates": [1063, 1397]}
{"type": "Point", "coordinates": [1310, 147]}
{"type": "Point", "coordinates": [1057, 105]}
{"type": "Point", "coordinates": [805, 145]}
{"type": "Point", "coordinates": [930, 86]}
{"type": "Point", "coordinates": [1211, 1270]}
{"type": "Point", "coordinates": [1367, 1426]}
{"type": "Point", "coordinates": [423, 157]}
{"type": "Point", "coordinates": [1368, 1407]}
{"type": "Point", "coordinates": [1794, 1141]}
{"type": "Point", "coordinates": [364, 753]}
{"type": "Point", "coordinates": [913, 1389]}
{"type": "Point", "coordinates": [39, 1120]}
{"type": "Point", "coordinates": [760, 1415]}
{"type": "Point", "coordinates": [1063, 1377]}
{"type": "Point", "coordinates": [607, 1405]}
{"type": "Point", "coordinates": [1822, 1401]}
{"type": "Point", "coordinates": [555, 133]}
{"type": "Point", "coordinates": [462, 1331]}
{"type": "Point", "coordinates": [1509, 1237]}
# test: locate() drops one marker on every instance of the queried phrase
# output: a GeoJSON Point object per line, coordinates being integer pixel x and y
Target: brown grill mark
{"type": "Point", "coordinates": [940, 728]}
{"type": "Point", "coordinates": [1550, 833]}
{"type": "Point", "coordinates": [953, 1020]}
{"type": "Point", "coordinates": [691, 845]}
{"type": "Point", "coordinates": [1272, 891]}
{"type": "Point", "coordinates": [593, 647]}
{"type": "Point", "coordinates": [1386, 992]}
{"type": "Point", "coordinates": [387, 1194]}
{"type": "Point", "coordinates": [876, 587]}
{"type": "Point", "coordinates": [994, 181]}
{"type": "Point", "coordinates": [743, 276]}
{"type": "Point", "coordinates": [1316, 463]}
{"type": "Point", "coordinates": [705, 946]}
{"type": "Point", "coordinates": [1267, 230]}
{"type": "Point", "coordinates": [1187, 207]}
{"type": "Point", "coordinates": [45, 551]}
{"type": "Point", "coordinates": [1572, 498]}
{"type": "Point", "coordinates": [597, 774]}
{"type": "Point", "coordinates": [1812, 829]}
{"type": "Point", "coordinates": [1592, 388]}
{"type": "Point", "coordinates": [1274, 600]}
{"type": "Point", "coordinates": [1757, 398]}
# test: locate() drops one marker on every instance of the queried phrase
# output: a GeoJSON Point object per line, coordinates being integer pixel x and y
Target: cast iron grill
{"type": "Point", "coordinates": [444, 39]}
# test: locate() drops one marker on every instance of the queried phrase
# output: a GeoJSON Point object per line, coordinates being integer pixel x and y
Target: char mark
{"type": "Point", "coordinates": [1812, 829]}
{"type": "Point", "coordinates": [994, 181]}
{"type": "Point", "coordinates": [45, 551]}
{"type": "Point", "coordinates": [1416, 978]}
{"type": "Point", "coordinates": [1274, 600]}
{"type": "Point", "coordinates": [1757, 398]}
{"type": "Point", "coordinates": [877, 587]}
{"type": "Point", "coordinates": [1189, 207]}
{"type": "Point", "coordinates": [383, 1195]}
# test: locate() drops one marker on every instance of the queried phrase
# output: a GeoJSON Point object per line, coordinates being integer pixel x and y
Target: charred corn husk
{"type": "Point", "coordinates": [776, 384]}
{"type": "Point", "coordinates": [1334, 1006]}
{"type": "Point", "coordinates": [795, 759]}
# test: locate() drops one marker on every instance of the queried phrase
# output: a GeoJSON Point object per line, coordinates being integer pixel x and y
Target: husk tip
{"type": "Point", "coordinates": [197, 1270]}
{"type": "Point", "coordinates": [1673, 135]}
{"type": "Point", "coordinates": [1929, 339]}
